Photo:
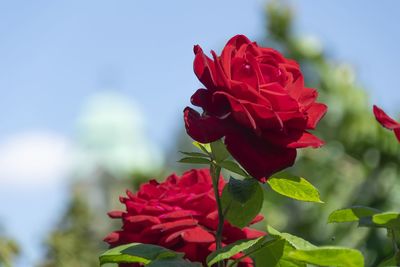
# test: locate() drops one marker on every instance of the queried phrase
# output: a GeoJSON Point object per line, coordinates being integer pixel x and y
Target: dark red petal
{"type": "Point", "coordinates": [315, 114]}
{"type": "Point", "coordinates": [238, 40]}
{"type": "Point", "coordinates": [238, 110]}
{"type": "Point", "coordinates": [220, 77]}
{"type": "Point", "coordinates": [229, 52]}
{"type": "Point", "coordinates": [246, 264]}
{"type": "Point", "coordinates": [397, 133]}
{"type": "Point", "coordinates": [306, 140]}
{"type": "Point", "coordinates": [264, 117]}
{"type": "Point", "coordinates": [282, 138]}
{"type": "Point", "coordinates": [172, 238]}
{"type": "Point", "coordinates": [197, 235]}
{"type": "Point", "coordinates": [256, 156]}
{"type": "Point", "coordinates": [385, 120]}
{"type": "Point", "coordinates": [201, 98]}
{"type": "Point", "coordinates": [203, 129]}
{"type": "Point", "coordinates": [192, 252]}
{"type": "Point", "coordinates": [204, 68]}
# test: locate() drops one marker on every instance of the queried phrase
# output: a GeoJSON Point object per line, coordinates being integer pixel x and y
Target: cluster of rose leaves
{"type": "Point", "coordinates": [255, 99]}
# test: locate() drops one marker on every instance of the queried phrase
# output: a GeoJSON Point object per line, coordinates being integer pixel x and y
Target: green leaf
{"type": "Point", "coordinates": [195, 160]}
{"type": "Point", "coordinates": [233, 167]}
{"type": "Point", "coordinates": [206, 148]}
{"type": "Point", "coordinates": [274, 253]}
{"type": "Point", "coordinates": [294, 187]}
{"type": "Point", "coordinates": [387, 219]}
{"type": "Point", "coordinates": [351, 214]}
{"type": "Point", "coordinates": [242, 190]}
{"type": "Point", "coordinates": [392, 261]}
{"type": "Point", "coordinates": [293, 240]}
{"type": "Point", "coordinates": [219, 151]}
{"type": "Point", "coordinates": [329, 256]}
{"type": "Point", "coordinates": [242, 201]}
{"type": "Point", "coordinates": [232, 249]}
{"type": "Point", "coordinates": [173, 263]}
{"type": "Point", "coordinates": [136, 252]}
{"type": "Point", "coordinates": [195, 154]}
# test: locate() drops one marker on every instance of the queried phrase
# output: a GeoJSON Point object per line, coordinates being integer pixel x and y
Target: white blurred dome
{"type": "Point", "coordinates": [112, 137]}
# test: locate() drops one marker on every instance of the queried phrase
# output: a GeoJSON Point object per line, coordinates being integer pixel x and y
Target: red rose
{"type": "Point", "coordinates": [256, 99]}
{"type": "Point", "coordinates": [387, 121]}
{"type": "Point", "coordinates": [179, 214]}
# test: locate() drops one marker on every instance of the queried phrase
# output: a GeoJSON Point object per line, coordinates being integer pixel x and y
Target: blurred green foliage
{"type": "Point", "coordinates": [75, 242]}
{"type": "Point", "coordinates": [9, 250]}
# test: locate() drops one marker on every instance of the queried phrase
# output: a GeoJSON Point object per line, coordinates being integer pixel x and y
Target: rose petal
{"type": "Point", "coordinates": [253, 233]}
{"type": "Point", "coordinates": [279, 101]}
{"type": "Point", "coordinates": [264, 117]}
{"type": "Point", "coordinates": [197, 235]}
{"type": "Point", "coordinates": [179, 214]}
{"type": "Point", "coordinates": [259, 158]}
{"type": "Point", "coordinates": [201, 98]}
{"type": "Point", "coordinates": [397, 133]}
{"type": "Point", "coordinates": [315, 114]}
{"type": "Point", "coordinates": [220, 77]}
{"type": "Point", "coordinates": [203, 129]}
{"type": "Point", "coordinates": [257, 219]}
{"type": "Point", "coordinates": [306, 140]}
{"type": "Point", "coordinates": [307, 97]}
{"type": "Point", "coordinates": [238, 110]}
{"type": "Point", "coordinates": [204, 68]}
{"type": "Point", "coordinates": [385, 120]}
{"type": "Point", "coordinates": [112, 237]}
{"type": "Point", "coordinates": [175, 225]}
{"type": "Point", "coordinates": [115, 214]}
{"type": "Point", "coordinates": [142, 220]}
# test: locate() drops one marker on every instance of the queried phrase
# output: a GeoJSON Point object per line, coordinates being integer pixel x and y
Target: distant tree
{"type": "Point", "coordinates": [9, 250]}
{"type": "Point", "coordinates": [74, 242]}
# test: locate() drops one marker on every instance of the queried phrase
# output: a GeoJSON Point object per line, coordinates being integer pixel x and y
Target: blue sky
{"type": "Point", "coordinates": [54, 55]}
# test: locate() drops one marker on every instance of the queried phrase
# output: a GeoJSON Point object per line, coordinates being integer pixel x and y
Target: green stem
{"type": "Point", "coordinates": [215, 174]}
{"type": "Point", "coordinates": [394, 241]}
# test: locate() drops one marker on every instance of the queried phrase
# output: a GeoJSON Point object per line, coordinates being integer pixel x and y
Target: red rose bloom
{"type": "Point", "coordinates": [387, 121]}
{"type": "Point", "coordinates": [179, 214]}
{"type": "Point", "coordinates": [256, 99]}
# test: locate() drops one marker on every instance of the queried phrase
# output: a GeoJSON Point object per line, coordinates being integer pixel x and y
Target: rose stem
{"type": "Point", "coordinates": [215, 175]}
{"type": "Point", "coordinates": [394, 241]}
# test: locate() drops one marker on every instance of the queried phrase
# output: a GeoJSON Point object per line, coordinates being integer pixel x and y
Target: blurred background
{"type": "Point", "coordinates": [92, 100]}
